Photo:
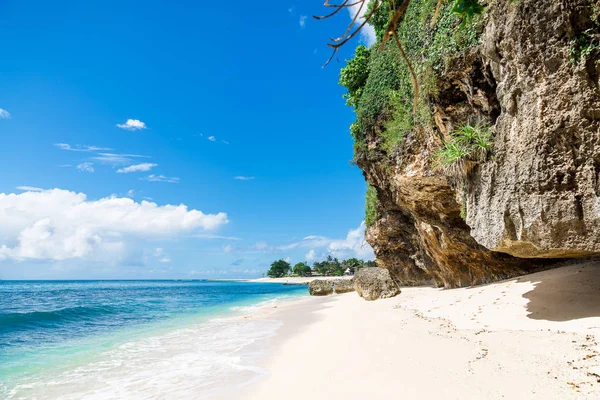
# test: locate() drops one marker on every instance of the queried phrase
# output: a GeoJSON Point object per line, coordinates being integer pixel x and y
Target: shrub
{"type": "Point", "coordinates": [371, 213]}
{"type": "Point", "coordinates": [354, 75]}
{"type": "Point", "coordinates": [469, 145]}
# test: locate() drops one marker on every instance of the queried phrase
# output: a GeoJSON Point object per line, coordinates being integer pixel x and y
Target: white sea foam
{"type": "Point", "coordinates": [195, 361]}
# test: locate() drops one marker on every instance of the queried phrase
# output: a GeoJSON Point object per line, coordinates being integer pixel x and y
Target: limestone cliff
{"type": "Point", "coordinates": [532, 75]}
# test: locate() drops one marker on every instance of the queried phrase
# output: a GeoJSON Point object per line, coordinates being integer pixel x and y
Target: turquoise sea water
{"type": "Point", "coordinates": [128, 339]}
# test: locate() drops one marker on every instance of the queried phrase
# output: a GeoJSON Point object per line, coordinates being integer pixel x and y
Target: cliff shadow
{"type": "Point", "coordinates": [565, 294]}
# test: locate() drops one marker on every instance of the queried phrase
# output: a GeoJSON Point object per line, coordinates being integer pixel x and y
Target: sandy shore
{"type": "Point", "coordinates": [296, 280]}
{"type": "Point", "coordinates": [529, 338]}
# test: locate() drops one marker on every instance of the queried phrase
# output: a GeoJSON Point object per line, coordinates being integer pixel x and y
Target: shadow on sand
{"type": "Point", "coordinates": [565, 294]}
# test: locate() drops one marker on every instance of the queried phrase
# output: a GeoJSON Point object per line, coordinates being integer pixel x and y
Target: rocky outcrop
{"type": "Point", "coordinates": [540, 194]}
{"type": "Point", "coordinates": [320, 287]}
{"type": "Point", "coordinates": [343, 285]}
{"type": "Point", "coordinates": [538, 197]}
{"type": "Point", "coordinates": [324, 287]}
{"type": "Point", "coordinates": [375, 283]}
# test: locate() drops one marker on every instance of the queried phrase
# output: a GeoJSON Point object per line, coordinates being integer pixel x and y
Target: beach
{"type": "Point", "coordinates": [533, 337]}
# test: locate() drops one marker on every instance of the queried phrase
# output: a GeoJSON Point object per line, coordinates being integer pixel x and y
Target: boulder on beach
{"type": "Point", "coordinates": [320, 287]}
{"type": "Point", "coordinates": [343, 285]}
{"type": "Point", "coordinates": [375, 283]}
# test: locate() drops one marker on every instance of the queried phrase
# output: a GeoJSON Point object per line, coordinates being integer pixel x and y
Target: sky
{"type": "Point", "coordinates": [159, 140]}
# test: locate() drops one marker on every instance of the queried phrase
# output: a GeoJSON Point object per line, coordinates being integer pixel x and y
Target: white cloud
{"type": "Point", "coordinates": [116, 159]}
{"type": "Point", "coordinates": [86, 167]}
{"type": "Point", "coordinates": [77, 147]}
{"type": "Point", "coordinates": [302, 21]}
{"type": "Point", "coordinates": [59, 225]}
{"type": "Point", "coordinates": [137, 168]}
{"type": "Point", "coordinates": [29, 188]}
{"type": "Point", "coordinates": [224, 142]}
{"type": "Point", "coordinates": [244, 178]}
{"type": "Point", "coordinates": [227, 249]}
{"type": "Point", "coordinates": [4, 114]}
{"type": "Point", "coordinates": [208, 236]}
{"type": "Point", "coordinates": [212, 138]}
{"type": "Point", "coordinates": [132, 125]}
{"type": "Point", "coordinates": [160, 178]}
{"type": "Point", "coordinates": [367, 33]}
{"type": "Point", "coordinates": [165, 260]}
{"type": "Point", "coordinates": [353, 245]}
{"type": "Point", "coordinates": [310, 256]}
{"type": "Point", "coordinates": [131, 193]}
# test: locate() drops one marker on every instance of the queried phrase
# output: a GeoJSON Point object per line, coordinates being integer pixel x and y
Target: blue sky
{"type": "Point", "coordinates": [111, 111]}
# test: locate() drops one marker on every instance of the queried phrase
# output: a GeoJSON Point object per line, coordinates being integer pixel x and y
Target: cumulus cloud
{"type": "Point", "coordinates": [302, 21]}
{"type": "Point", "coordinates": [353, 245]}
{"type": "Point", "coordinates": [165, 260]}
{"type": "Point", "coordinates": [86, 167]}
{"type": "Point", "coordinates": [78, 147]}
{"type": "Point", "coordinates": [60, 225]}
{"type": "Point", "coordinates": [310, 256]}
{"type": "Point", "coordinates": [137, 168]}
{"type": "Point", "coordinates": [212, 138]}
{"type": "Point", "coordinates": [367, 33]}
{"type": "Point", "coordinates": [160, 178]}
{"type": "Point", "coordinates": [4, 114]}
{"type": "Point", "coordinates": [29, 188]}
{"type": "Point", "coordinates": [132, 125]}
{"type": "Point", "coordinates": [244, 178]}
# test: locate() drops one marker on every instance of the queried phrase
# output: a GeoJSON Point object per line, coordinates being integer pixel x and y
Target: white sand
{"type": "Point", "coordinates": [527, 338]}
{"type": "Point", "coordinates": [296, 279]}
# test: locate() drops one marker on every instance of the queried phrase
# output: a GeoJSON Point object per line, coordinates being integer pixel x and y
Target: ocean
{"type": "Point", "coordinates": [132, 339]}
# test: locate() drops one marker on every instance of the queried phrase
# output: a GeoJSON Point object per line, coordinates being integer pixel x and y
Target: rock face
{"type": "Point", "coordinates": [538, 198]}
{"type": "Point", "coordinates": [320, 287]}
{"type": "Point", "coordinates": [323, 287]}
{"type": "Point", "coordinates": [375, 283]}
{"type": "Point", "coordinates": [540, 194]}
{"type": "Point", "coordinates": [343, 285]}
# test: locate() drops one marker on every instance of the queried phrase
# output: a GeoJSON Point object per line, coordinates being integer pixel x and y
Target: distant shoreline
{"type": "Point", "coordinates": [297, 279]}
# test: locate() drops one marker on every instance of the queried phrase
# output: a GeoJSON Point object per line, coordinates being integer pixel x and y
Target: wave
{"type": "Point", "coordinates": [36, 318]}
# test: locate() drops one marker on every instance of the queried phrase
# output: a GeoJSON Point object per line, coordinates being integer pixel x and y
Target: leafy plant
{"type": "Point", "coordinates": [354, 75]}
{"type": "Point", "coordinates": [469, 145]}
{"type": "Point", "coordinates": [587, 43]}
{"type": "Point", "coordinates": [371, 213]}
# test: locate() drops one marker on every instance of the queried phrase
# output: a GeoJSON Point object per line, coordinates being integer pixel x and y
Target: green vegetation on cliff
{"type": "Point", "coordinates": [469, 144]}
{"type": "Point", "coordinates": [379, 82]}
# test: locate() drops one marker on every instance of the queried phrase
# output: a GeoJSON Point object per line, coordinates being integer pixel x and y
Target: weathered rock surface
{"type": "Point", "coordinates": [324, 287]}
{"type": "Point", "coordinates": [538, 197]}
{"type": "Point", "coordinates": [343, 285]}
{"type": "Point", "coordinates": [375, 283]}
{"type": "Point", "coordinates": [320, 287]}
{"type": "Point", "coordinates": [540, 194]}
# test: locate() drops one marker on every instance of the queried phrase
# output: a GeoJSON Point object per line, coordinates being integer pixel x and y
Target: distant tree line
{"type": "Point", "coordinates": [330, 266]}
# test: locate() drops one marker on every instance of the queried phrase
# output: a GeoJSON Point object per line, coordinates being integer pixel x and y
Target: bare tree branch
{"type": "Point", "coordinates": [437, 12]}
